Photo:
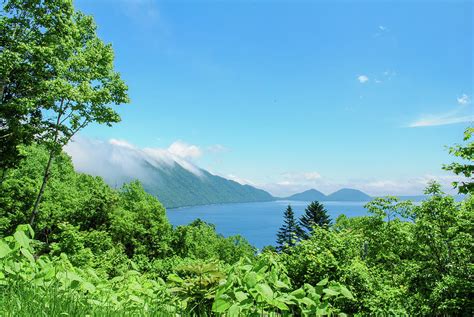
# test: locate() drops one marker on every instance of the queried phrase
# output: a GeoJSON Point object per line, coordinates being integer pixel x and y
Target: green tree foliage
{"type": "Point", "coordinates": [441, 277]}
{"type": "Point", "coordinates": [466, 168]}
{"type": "Point", "coordinates": [315, 215]}
{"type": "Point", "coordinates": [104, 228]}
{"type": "Point", "coordinates": [288, 232]}
{"type": "Point", "coordinates": [69, 77]}
{"type": "Point", "coordinates": [140, 223]}
{"type": "Point", "coordinates": [199, 240]}
{"type": "Point", "coordinates": [20, 69]}
{"type": "Point", "coordinates": [401, 260]}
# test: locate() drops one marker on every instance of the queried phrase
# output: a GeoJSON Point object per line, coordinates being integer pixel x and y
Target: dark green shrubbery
{"type": "Point", "coordinates": [402, 260]}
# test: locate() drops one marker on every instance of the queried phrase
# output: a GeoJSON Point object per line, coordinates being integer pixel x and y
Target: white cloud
{"type": "Point", "coordinates": [463, 113]}
{"type": "Point", "coordinates": [382, 28]}
{"type": "Point", "coordinates": [121, 143]}
{"type": "Point", "coordinates": [294, 182]}
{"type": "Point", "coordinates": [464, 100]}
{"type": "Point", "coordinates": [240, 180]}
{"type": "Point", "coordinates": [408, 186]}
{"type": "Point", "coordinates": [118, 160]}
{"type": "Point", "coordinates": [372, 187]}
{"type": "Point", "coordinates": [312, 176]}
{"type": "Point", "coordinates": [302, 176]}
{"type": "Point", "coordinates": [363, 79]}
{"type": "Point", "coordinates": [441, 119]}
{"type": "Point", "coordinates": [184, 150]}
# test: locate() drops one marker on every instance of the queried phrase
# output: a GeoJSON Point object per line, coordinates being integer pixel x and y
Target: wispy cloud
{"type": "Point", "coordinates": [240, 180]}
{"type": "Point", "coordinates": [301, 176]}
{"type": "Point", "coordinates": [441, 119]}
{"type": "Point", "coordinates": [381, 30]}
{"type": "Point", "coordinates": [460, 115]}
{"type": "Point", "coordinates": [464, 100]}
{"type": "Point", "coordinates": [184, 150]}
{"type": "Point", "coordinates": [363, 79]}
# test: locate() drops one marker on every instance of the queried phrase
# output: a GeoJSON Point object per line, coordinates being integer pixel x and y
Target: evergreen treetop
{"type": "Point", "coordinates": [315, 215]}
{"type": "Point", "coordinates": [287, 235]}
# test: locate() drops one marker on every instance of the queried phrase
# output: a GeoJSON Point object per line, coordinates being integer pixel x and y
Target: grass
{"type": "Point", "coordinates": [23, 300]}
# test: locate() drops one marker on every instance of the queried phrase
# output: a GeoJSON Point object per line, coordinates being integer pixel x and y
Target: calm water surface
{"type": "Point", "coordinates": [257, 222]}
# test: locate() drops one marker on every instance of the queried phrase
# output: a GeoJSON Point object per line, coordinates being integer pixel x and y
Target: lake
{"type": "Point", "coordinates": [257, 222]}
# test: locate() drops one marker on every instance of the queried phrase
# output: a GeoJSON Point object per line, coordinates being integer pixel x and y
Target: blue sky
{"type": "Point", "coordinates": [293, 95]}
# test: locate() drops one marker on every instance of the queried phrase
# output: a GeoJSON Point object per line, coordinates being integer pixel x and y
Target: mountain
{"type": "Point", "coordinates": [174, 180]}
{"type": "Point", "coordinates": [309, 195]}
{"type": "Point", "coordinates": [349, 194]}
{"type": "Point", "coordinates": [175, 186]}
{"type": "Point", "coordinates": [345, 194]}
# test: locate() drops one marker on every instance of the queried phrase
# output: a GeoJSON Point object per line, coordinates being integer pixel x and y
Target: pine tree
{"type": "Point", "coordinates": [288, 233]}
{"type": "Point", "coordinates": [315, 215]}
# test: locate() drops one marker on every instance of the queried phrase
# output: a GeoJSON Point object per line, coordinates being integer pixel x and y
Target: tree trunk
{"type": "Point", "coordinates": [43, 187]}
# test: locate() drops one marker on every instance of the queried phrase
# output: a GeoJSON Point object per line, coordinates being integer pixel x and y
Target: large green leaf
{"type": "Point", "coordinates": [307, 301]}
{"type": "Point", "coordinates": [345, 292]}
{"type": "Point", "coordinates": [265, 291]}
{"type": "Point", "coordinates": [240, 296]}
{"type": "Point", "coordinates": [27, 254]}
{"type": "Point", "coordinates": [221, 304]}
{"type": "Point", "coordinates": [280, 284]}
{"type": "Point", "coordinates": [4, 249]}
{"type": "Point", "coordinates": [299, 293]}
{"type": "Point", "coordinates": [22, 239]}
{"type": "Point", "coordinates": [330, 292]}
{"type": "Point", "coordinates": [251, 279]}
{"type": "Point", "coordinates": [279, 304]}
{"type": "Point", "coordinates": [234, 311]}
{"type": "Point", "coordinates": [323, 282]}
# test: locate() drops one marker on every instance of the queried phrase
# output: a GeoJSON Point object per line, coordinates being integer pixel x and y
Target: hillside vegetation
{"type": "Point", "coordinates": [70, 245]}
{"type": "Point", "coordinates": [96, 250]}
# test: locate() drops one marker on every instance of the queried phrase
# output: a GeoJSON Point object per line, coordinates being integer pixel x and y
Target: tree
{"type": "Point", "coordinates": [315, 215]}
{"type": "Point", "coordinates": [69, 74]}
{"type": "Point", "coordinates": [21, 69]}
{"type": "Point", "coordinates": [140, 223]}
{"type": "Point", "coordinates": [443, 255]}
{"type": "Point", "coordinates": [287, 235]}
{"type": "Point", "coordinates": [465, 152]}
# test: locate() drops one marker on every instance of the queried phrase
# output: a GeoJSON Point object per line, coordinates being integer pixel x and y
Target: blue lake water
{"type": "Point", "coordinates": [257, 222]}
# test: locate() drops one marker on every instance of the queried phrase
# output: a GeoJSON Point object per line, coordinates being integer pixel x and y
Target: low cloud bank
{"type": "Point", "coordinates": [116, 160]}
{"type": "Point", "coordinates": [292, 183]}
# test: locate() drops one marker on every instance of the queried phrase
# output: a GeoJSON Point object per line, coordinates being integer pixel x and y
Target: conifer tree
{"type": "Point", "coordinates": [315, 215]}
{"type": "Point", "coordinates": [288, 233]}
